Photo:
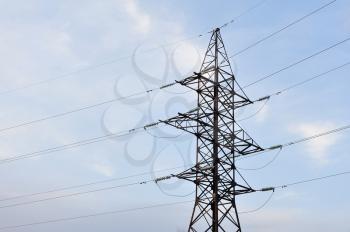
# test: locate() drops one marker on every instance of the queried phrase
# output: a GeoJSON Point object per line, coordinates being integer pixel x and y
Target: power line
{"type": "Point", "coordinates": [310, 79]}
{"type": "Point", "coordinates": [161, 87]}
{"type": "Point", "coordinates": [267, 98]}
{"type": "Point", "coordinates": [260, 207]}
{"type": "Point", "coordinates": [95, 215]}
{"type": "Point", "coordinates": [143, 182]}
{"type": "Point", "coordinates": [87, 184]}
{"type": "Point", "coordinates": [312, 180]}
{"type": "Point", "coordinates": [75, 194]}
{"type": "Point", "coordinates": [124, 133]}
{"type": "Point", "coordinates": [173, 83]}
{"type": "Point", "coordinates": [305, 139]}
{"type": "Point", "coordinates": [297, 62]}
{"type": "Point", "coordinates": [271, 148]}
{"type": "Point", "coordinates": [316, 136]}
{"type": "Point", "coordinates": [253, 7]}
{"type": "Point", "coordinates": [167, 204]}
{"type": "Point", "coordinates": [265, 165]}
{"type": "Point", "coordinates": [95, 66]}
{"type": "Point", "coordinates": [76, 144]}
{"type": "Point", "coordinates": [283, 28]}
{"type": "Point", "coordinates": [87, 107]}
{"type": "Point", "coordinates": [98, 182]}
{"type": "Point", "coordinates": [256, 113]}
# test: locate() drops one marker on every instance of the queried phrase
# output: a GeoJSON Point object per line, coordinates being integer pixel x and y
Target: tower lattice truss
{"type": "Point", "coordinates": [219, 141]}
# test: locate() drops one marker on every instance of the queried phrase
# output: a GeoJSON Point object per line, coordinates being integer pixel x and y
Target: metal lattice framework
{"type": "Point", "coordinates": [219, 140]}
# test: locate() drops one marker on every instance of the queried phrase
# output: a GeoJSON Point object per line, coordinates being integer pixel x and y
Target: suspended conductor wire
{"type": "Point", "coordinates": [256, 113]}
{"type": "Point", "coordinates": [260, 207]}
{"type": "Point", "coordinates": [298, 84]}
{"type": "Point", "coordinates": [265, 165]}
{"type": "Point", "coordinates": [310, 79]}
{"type": "Point", "coordinates": [173, 83]}
{"type": "Point", "coordinates": [305, 139]}
{"type": "Point", "coordinates": [296, 63]}
{"type": "Point", "coordinates": [87, 107]}
{"type": "Point", "coordinates": [312, 180]}
{"type": "Point", "coordinates": [92, 67]}
{"type": "Point", "coordinates": [95, 215]}
{"type": "Point", "coordinates": [316, 136]}
{"type": "Point", "coordinates": [137, 183]}
{"type": "Point", "coordinates": [88, 184]}
{"type": "Point", "coordinates": [75, 144]}
{"type": "Point", "coordinates": [82, 142]}
{"type": "Point", "coordinates": [167, 86]}
{"type": "Point", "coordinates": [136, 130]}
{"type": "Point", "coordinates": [283, 28]}
{"type": "Point", "coordinates": [160, 206]}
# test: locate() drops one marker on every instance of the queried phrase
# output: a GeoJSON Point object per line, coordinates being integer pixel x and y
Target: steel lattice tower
{"type": "Point", "coordinates": [219, 141]}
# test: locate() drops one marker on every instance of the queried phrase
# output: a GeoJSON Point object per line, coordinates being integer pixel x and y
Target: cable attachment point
{"type": "Point", "coordinates": [275, 147]}
{"type": "Point", "coordinates": [168, 85]}
{"type": "Point", "coordinates": [193, 110]}
{"type": "Point", "coordinates": [163, 178]}
{"type": "Point", "coordinates": [150, 125]}
{"type": "Point", "coordinates": [267, 189]}
{"type": "Point", "coordinates": [263, 98]}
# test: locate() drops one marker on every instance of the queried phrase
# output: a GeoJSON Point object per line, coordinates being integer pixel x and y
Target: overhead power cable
{"type": "Point", "coordinates": [55, 190]}
{"type": "Point", "coordinates": [305, 139]}
{"type": "Point", "coordinates": [76, 144]}
{"type": "Point", "coordinates": [316, 136]}
{"type": "Point", "coordinates": [87, 107]}
{"type": "Point", "coordinates": [168, 85]}
{"type": "Point", "coordinates": [158, 88]}
{"type": "Point", "coordinates": [310, 79]}
{"type": "Point", "coordinates": [257, 112]}
{"type": "Point", "coordinates": [112, 61]}
{"type": "Point", "coordinates": [155, 180]}
{"type": "Point", "coordinates": [312, 180]}
{"type": "Point", "coordinates": [95, 215]}
{"type": "Point", "coordinates": [297, 62]}
{"type": "Point", "coordinates": [265, 165]}
{"type": "Point", "coordinates": [283, 28]}
{"type": "Point", "coordinates": [169, 204]}
{"type": "Point", "coordinates": [305, 181]}
{"type": "Point", "coordinates": [82, 142]}
{"type": "Point", "coordinates": [102, 138]}
{"type": "Point", "coordinates": [268, 97]}
{"type": "Point", "coordinates": [73, 194]}
{"type": "Point", "coordinates": [260, 207]}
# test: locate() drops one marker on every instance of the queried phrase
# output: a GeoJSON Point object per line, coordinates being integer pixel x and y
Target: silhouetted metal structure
{"type": "Point", "coordinates": [219, 141]}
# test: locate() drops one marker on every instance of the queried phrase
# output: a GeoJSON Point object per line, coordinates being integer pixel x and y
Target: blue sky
{"type": "Point", "coordinates": [41, 40]}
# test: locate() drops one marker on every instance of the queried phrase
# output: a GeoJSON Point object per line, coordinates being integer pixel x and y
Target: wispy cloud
{"type": "Point", "coordinates": [318, 148]}
{"type": "Point", "coordinates": [103, 169]}
{"type": "Point", "coordinates": [141, 20]}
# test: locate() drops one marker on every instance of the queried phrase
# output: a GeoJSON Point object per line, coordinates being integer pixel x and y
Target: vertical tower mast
{"type": "Point", "coordinates": [219, 140]}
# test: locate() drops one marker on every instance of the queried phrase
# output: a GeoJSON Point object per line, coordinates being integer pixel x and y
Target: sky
{"type": "Point", "coordinates": [57, 56]}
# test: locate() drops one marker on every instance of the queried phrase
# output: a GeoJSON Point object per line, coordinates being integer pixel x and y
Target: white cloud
{"type": "Point", "coordinates": [141, 19]}
{"type": "Point", "coordinates": [317, 148]}
{"type": "Point", "coordinates": [103, 169]}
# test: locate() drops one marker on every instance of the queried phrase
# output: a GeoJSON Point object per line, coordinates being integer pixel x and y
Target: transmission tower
{"type": "Point", "coordinates": [219, 141]}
